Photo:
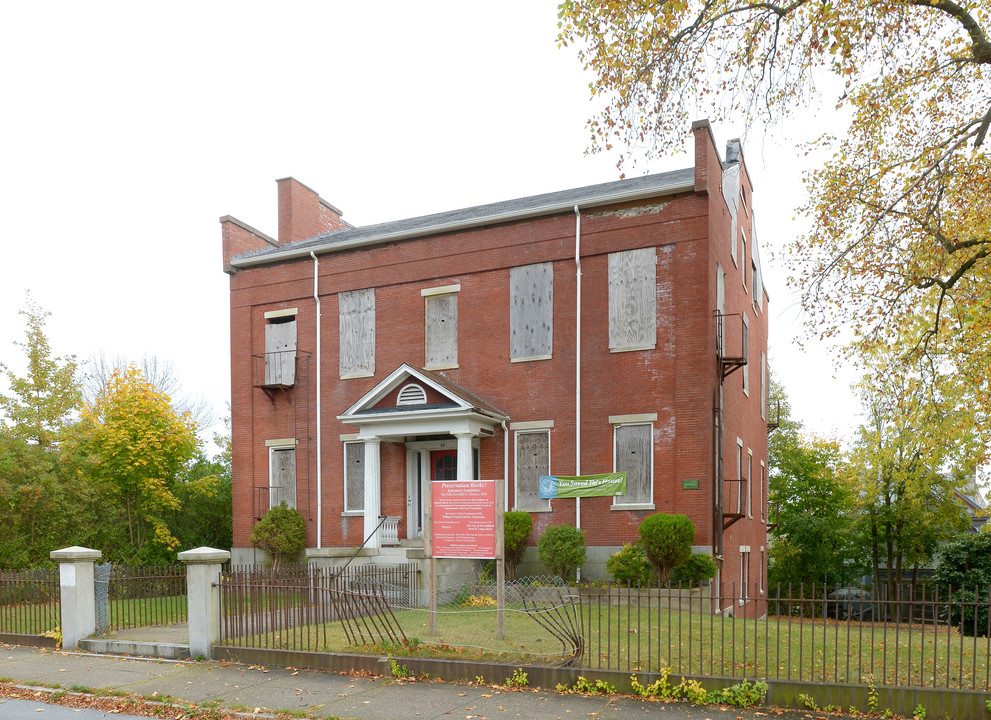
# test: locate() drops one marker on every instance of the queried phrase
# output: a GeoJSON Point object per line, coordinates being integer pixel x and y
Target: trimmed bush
{"type": "Point", "coordinates": [281, 533]}
{"type": "Point", "coordinates": [695, 569]}
{"type": "Point", "coordinates": [518, 526]}
{"type": "Point", "coordinates": [562, 549]}
{"type": "Point", "coordinates": [630, 565]}
{"type": "Point", "coordinates": [667, 542]}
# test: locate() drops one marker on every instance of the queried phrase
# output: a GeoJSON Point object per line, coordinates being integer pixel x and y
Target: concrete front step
{"type": "Point", "coordinates": [169, 651]}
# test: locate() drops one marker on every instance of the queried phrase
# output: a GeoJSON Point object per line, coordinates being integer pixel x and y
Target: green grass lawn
{"type": "Point", "coordinates": [647, 639]}
{"type": "Point", "coordinates": [29, 619]}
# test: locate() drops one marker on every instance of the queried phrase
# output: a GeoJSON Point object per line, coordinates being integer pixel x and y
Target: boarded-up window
{"type": "Point", "coordinates": [440, 343]}
{"type": "Point", "coordinates": [763, 385]}
{"type": "Point", "coordinates": [532, 461]}
{"type": "Point", "coordinates": [531, 311]}
{"type": "Point", "coordinates": [354, 476]}
{"type": "Point", "coordinates": [634, 456]}
{"type": "Point", "coordinates": [280, 351]}
{"type": "Point", "coordinates": [632, 300]}
{"type": "Point", "coordinates": [282, 476]}
{"type": "Point", "coordinates": [746, 354]}
{"type": "Point", "coordinates": [721, 305]}
{"type": "Point", "coordinates": [357, 326]}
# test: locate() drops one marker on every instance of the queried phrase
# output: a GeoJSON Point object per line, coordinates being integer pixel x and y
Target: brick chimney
{"type": "Point", "coordinates": [303, 214]}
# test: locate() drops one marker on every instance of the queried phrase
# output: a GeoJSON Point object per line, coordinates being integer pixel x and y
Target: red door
{"type": "Point", "coordinates": [443, 464]}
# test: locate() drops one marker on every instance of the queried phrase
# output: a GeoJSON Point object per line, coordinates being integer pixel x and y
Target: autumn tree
{"type": "Point", "coordinates": [38, 495]}
{"type": "Point", "coordinates": [903, 463]}
{"type": "Point", "coordinates": [138, 446]}
{"type": "Point", "coordinates": [41, 402]}
{"type": "Point", "coordinates": [160, 373]}
{"type": "Point", "coordinates": [811, 504]}
{"type": "Point", "coordinates": [901, 212]}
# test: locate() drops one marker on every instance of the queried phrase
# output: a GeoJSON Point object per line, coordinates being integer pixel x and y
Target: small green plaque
{"type": "Point", "coordinates": [690, 484]}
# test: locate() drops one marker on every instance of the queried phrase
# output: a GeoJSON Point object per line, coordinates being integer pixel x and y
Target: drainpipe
{"type": "Point", "coordinates": [578, 364]}
{"type": "Point", "coordinates": [316, 297]}
{"type": "Point", "coordinates": [505, 465]}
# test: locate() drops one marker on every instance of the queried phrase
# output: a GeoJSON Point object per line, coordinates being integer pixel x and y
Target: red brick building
{"type": "Point", "coordinates": [620, 326]}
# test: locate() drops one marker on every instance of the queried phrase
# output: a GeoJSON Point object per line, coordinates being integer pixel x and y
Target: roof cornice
{"type": "Point", "coordinates": [552, 208]}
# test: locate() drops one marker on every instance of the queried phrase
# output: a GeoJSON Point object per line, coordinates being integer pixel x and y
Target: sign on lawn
{"type": "Point", "coordinates": [464, 518]}
{"type": "Point", "coordinates": [572, 486]}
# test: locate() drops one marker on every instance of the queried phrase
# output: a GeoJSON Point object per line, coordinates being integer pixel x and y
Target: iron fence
{"type": "Point", "coordinates": [294, 606]}
{"type": "Point", "coordinates": [138, 596]}
{"type": "Point", "coordinates": [29, 601]}
{"type": "Point", "coordinates": [923, 638]}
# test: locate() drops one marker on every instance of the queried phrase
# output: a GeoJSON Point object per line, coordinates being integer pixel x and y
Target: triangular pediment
{"type": "Point", "coordinates": [409, 393]}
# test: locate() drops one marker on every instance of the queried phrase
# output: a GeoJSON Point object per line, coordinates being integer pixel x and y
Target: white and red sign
{"type": "Point", "coordinates": [464, 518]}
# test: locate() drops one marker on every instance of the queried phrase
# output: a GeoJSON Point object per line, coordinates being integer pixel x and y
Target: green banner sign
{"type": "Point", "coordinates": [572, 486]}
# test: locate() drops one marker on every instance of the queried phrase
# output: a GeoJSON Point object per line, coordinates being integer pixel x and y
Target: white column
{"type": "Point", "coordinates": [465, 464]}
{"type": "Point", "coordinates": [373, 489]}
{"type": "Point", "coordinates": [78, 606]}
{"type": "Point", "coordinates": [203, 567]}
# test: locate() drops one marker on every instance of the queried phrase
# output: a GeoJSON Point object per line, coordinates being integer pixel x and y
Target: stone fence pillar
{"type": "Point", "coordinates": [78, 601]}
{"type": "Point", "coordinates": [202, 575]}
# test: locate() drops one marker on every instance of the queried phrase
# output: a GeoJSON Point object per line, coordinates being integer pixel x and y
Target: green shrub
{"type": "Point", "coordinates": [667, 542]}
{"type": "Point", "coordinates": [281, 533]}
{"type": "Point", "coordinates": [629, 565]}
{"type": "Point", "coordinates": [518, 526]}
{"type": "Point", "coordinates": [695, 569]}
{"type": "Point", "coordinates": [562, 549]}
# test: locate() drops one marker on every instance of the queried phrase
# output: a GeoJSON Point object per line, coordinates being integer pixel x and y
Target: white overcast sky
{"type": "Point", "coordinates": [128, 129]}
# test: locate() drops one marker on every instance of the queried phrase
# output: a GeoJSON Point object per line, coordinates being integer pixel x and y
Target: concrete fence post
{"type": "Point", "coordinates": [78, 596]}
{"type": "Point", "coordinates": [202, 575]}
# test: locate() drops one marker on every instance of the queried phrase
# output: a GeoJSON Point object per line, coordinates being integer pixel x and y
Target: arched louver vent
{"type": "Point", "coordinates": [412, 395]}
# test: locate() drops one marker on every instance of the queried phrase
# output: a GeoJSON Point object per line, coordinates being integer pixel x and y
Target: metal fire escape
{"type": "Point", "coordinates": [284, 378]}
{"type": "Point", "coordinates": [727, 363]}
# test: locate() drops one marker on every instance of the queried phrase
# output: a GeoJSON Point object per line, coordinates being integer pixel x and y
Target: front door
{"type": "Point", "coordinates": [443, 464]}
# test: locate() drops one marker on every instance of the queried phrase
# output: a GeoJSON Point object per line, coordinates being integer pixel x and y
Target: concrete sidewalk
{"type": "Point", "coordinates": [329, 695]}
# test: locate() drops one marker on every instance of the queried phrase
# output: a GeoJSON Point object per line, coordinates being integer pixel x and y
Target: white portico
{"type": "Point", "coordinates": [441, 425]}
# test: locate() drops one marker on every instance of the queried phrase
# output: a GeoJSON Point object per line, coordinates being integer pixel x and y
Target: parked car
{"type": "Point", "coordinates": [850, 603]}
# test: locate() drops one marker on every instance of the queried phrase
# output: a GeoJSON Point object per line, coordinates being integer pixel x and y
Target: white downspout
{"type": "Point", "coordinates": [505, 465]}
{"type": "Point", "coordinates": [578, 363]}
{"type": "Point", "coordinates": [316, 297]}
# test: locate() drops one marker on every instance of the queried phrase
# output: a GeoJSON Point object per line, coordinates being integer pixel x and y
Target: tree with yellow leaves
{"type": "Point", "coordinates": [136, 444]}
{"type": "Point", "coordinates": [900, 245]}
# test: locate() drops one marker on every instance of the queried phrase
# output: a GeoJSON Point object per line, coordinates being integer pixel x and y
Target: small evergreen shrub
{"type": "Point", "coordinates": [281, 533]}
{"type": "Point", "coordinates": [667, 542]}
{"type": "Point", "coordinates": [629, 565]}
{"type": "Point", "coordinates": [562, 549]}
{"type": "Point", "coordinates": [518, 526]}
{"type": "Point", "coordinates": [695, 569]}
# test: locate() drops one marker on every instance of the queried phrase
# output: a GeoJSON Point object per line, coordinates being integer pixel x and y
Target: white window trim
{"type": "Point", "coordinates": [281, 443]}
{"type": "Point", "coordinates": [532, 425]}
{"type": "Point", "coordinates": [543, 427]}
{"type": "Point", "coordinates": [618, 421]}
{"type": "Point", "coordinates": [281, 313]}
{"type": "Point", "coordinates": [762, 500]}
{"type": "Point", "coordinates": [743, 259]}
{"type": "Point", "coordinates": [739, 474]}
{"type": "Point", "coordinates": [750, 487]}
{"type": "Point", "coordinates": [440, 290]}
{"type": "Point", "coordinates": [348, 440]}
{"type": "Point", "coordinates": [274, 446]}
{"type": "Point", "coordinates": [760, 572]}
{"type": "Point", "coordinates": [531, 359]}
{"type": "Point", "coordinates": [744, 573]}
{"type": "Point", "coordinates": [746, 355]}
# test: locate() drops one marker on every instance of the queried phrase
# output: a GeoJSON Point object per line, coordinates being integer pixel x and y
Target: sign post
{"type": "Point", "coordinates": [466, 521]}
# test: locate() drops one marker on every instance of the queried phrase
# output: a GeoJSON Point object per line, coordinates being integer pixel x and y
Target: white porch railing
{"type": "Point", "coordinates": [390, 531]}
